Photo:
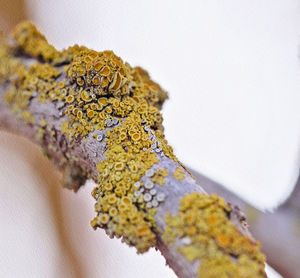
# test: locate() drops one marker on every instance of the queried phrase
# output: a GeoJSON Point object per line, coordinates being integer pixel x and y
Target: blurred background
{"type": "Point", "coordinates": [232, 72]}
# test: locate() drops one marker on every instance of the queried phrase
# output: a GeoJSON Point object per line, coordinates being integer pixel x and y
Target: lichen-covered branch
{"type": "Point", "coordinates": [97, 117]}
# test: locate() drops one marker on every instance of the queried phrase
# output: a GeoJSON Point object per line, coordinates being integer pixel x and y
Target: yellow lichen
{"type": "Point", "coordinates": [213, 239]}
{"type": "Point", "coordinates": [98, 89]}
{"type": "Point", "coordinates": [179, 174]}
{"type": "Point", "coordinates": [40, 133]}
{"type": "Point", "coordinates": [128, 167]}
{"type": "Point", "coordinates": [32, 42]}
{"type": "Point", "coordinates": [159, 176]}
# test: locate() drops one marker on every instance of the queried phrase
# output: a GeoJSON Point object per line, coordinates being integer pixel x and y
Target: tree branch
{"type": "Point", "coordinates": [97, 117]}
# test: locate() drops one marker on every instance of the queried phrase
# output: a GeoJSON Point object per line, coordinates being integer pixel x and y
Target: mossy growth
{"type": "Point", "coordinates": [203, 232]}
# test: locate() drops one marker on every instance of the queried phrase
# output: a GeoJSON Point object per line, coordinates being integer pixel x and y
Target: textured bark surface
{"type": "Point", "coordinates": [89, 152]}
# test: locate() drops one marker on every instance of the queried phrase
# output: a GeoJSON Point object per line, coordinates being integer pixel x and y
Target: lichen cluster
{"type": "Point", "coordinates": [159, 176]}
{"type": "Point", "coordinates": [8, 63]}
{"type": "Point", "coordinates": [202, 231]}
{"type": "Point", "coordinates": [128, 156]}
{"type": "Point", "coordinates": [38, 81]}
{"type": "Point", "coordinates": [179, 174]}
{"type": "Point", "coordinates": [31, 42]}
{"type": "Point", "coordinates": [96, 91]}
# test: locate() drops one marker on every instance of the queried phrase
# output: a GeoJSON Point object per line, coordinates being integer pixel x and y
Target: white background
{"type": "Point", "coordinates": [232, 72]}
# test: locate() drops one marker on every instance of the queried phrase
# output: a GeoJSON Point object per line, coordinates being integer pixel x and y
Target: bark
{"type": "Point", "coordinates": [88, 154]}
